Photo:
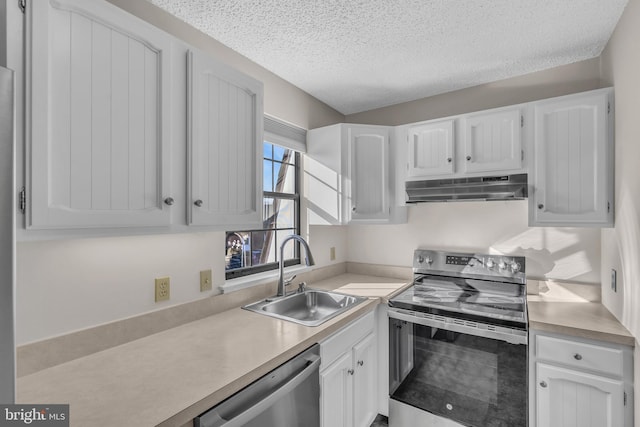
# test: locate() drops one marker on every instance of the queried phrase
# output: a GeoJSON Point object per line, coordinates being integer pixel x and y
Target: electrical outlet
{"type": "Point", "coordinates": [163, 289]}
{"type": "Point", "coordinates": [205, 280]}
{"type": "Point", "coordinates": [332, 253]}
{"type": "Point", "coordinates": [614, 280]}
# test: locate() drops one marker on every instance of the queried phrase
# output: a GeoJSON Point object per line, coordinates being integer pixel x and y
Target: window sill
{"type": "Point", "coordinates": [233, 285]}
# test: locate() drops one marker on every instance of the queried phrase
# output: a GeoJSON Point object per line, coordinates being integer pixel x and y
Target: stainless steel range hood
{"type": "Point", "coordinates": [505, 187]}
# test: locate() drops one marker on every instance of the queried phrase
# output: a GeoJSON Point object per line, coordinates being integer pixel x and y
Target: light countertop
{"type": "Point", "coordinates": [172, 376]}
{"type": "Point", "coordinates": [562, 309]}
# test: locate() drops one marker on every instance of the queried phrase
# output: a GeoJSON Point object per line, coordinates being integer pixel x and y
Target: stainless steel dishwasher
{"type": "Point", "coordinates": [287, 396]}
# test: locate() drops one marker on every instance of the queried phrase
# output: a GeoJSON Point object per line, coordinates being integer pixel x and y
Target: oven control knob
{"type": "Point", "coordinates": [515, 267]}
{"type": "Point", "coordinates": [429, 260]}
{"type": "Point", "coordinates": [420, 259]}
{"type": "Point", "coordinates": [490, 263]}
{"type": "Point", "coordinates": [502, 265]}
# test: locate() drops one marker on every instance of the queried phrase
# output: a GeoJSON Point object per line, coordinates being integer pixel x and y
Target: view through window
{"type": "Point", "coordinates": [252, 251]}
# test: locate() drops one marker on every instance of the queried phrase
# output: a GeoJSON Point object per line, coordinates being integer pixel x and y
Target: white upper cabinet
{"type": "Point", "coordinates": [225, 145]}
{"type": "Point", "coordinates": [431, 149]}
{"type": "Point", "coordinates": [368, 154]}
{"type": "Point", "coordinates": [98, 117]}
{"type": "Point", "coordinates": [573, 154]}
{"type": "Point", "coordinates": [483, 143]}
{"type": "Point", "coordinates": [349, 176]}
{"type": "Point", "coordinates": [493, 141]}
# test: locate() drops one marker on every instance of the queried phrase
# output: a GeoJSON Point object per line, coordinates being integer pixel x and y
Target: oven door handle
{"type": "Point", "coordinates": [464, 327]}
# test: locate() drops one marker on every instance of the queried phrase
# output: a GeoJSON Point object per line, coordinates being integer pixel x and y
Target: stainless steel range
{"type": "Point", "coordinates": [458, 342]}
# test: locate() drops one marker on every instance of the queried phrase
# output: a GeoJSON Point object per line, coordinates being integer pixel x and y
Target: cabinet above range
{"type": "Point", "coordinates": [558, 152]}
{"type": "Point", "coordinates": [484, 142]}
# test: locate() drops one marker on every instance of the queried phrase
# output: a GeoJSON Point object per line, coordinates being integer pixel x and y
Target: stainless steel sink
{"type": "Point", "coordinates": [312, 307]}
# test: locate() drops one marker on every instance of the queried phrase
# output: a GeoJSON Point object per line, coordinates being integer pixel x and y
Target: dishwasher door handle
{"type": "Point", "coordinates": [213, 419]}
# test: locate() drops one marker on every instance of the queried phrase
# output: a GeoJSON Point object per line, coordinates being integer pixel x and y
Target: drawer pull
{"type": "Point", "coordinates": [577, 356]}
{"type": "Point", "coordinates": [543, 384]}
{"type": "Point", "coordinates": [360, 362]}
{"type": "Point", "coordinates": [350, 371]}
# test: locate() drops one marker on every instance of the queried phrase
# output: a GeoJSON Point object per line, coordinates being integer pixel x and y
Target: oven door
{"type": "Point", "coordinates": [468, 372]}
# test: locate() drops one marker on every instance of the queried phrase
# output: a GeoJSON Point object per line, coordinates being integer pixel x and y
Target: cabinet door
{"type": "Point", "coordinates": [568, 398]}
{"type": "Point", "coordinates": [572, 162]}
{"type": "Point", "coordinates": [365, 382]}
{"type": "Point", "coordinates": [368, 172]}
{"type": "Point", "coordinates": [431, 149]}
{"type": "Point", "coordinates": [336, 393]}
{"type": "Point", "coordinates": [225, 145]}
{"type": "Point", "coordinates": [493, 142]}
{"type": "Point", "coordinates": [99, 119]}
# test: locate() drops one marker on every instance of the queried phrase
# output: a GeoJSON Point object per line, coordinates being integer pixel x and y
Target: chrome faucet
{"type": "Point", "coordinates": [308, 261]}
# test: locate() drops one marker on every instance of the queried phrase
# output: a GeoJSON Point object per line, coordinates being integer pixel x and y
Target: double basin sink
{"type": "Point", "coordinates": [311, 307]}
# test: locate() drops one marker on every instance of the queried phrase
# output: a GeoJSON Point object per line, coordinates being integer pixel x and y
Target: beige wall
{"type": "Point", "coordinates": [73, 284]}
{"type": "Point", "coordinates": [621, 245]}
{"type": "Point", "coordinates": [281, 99]}
{"type": "Point", "coordinates": [564, 80]}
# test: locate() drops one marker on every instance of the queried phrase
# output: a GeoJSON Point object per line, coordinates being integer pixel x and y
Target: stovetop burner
{"type": "Point", "coordinates": [469, 286]}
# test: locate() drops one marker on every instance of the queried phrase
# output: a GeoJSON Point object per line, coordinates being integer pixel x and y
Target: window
{"type": "Point", "coordinates": [253, 251]}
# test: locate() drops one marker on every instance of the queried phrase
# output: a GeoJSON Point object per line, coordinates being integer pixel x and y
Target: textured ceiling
{"type": "Point", "coordinates": [357, 55]}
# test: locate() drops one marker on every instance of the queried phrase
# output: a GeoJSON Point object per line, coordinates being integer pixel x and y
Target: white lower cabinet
{"type": "Point", "coordinates": [348, 376]}
{"type": "Point", "coordinates": [567, 397]}
{"type": "Point", "coordinates": [336, 388]}
{"type": "Point", "coordinates": [578, 382]}
{"type": "Point", "coordinates": [365, 382]}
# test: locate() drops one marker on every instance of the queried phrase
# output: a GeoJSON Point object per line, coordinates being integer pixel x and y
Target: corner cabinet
{"type": "Point", "coordinates": [348, 376]}
{"type": "Point", "coordinates": [349, 176]}
{"type": "Point", "coordinates": [225, 128]}
{"type": "Point", "coordinates": [98, 117]}
{"type": "Point", "coordinates": [579, 382]}
{"type": "Point", "coordinates": [572, 178]}
{"type": "Point", "coordinates": [368, 173]}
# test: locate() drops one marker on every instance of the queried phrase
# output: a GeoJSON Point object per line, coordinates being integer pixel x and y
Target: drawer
{"type": "Point", "coordinates": [343, 340]}
{"type": "Point", "coordinates": [602, 359]}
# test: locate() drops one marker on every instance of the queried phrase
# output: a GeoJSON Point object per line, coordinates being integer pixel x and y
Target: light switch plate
{"type": "Point", "coordinates": [332, 253]}
{"type": "Point", "coordinates": [205, 281]}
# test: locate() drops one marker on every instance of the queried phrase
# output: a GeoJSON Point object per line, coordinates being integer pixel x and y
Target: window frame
{"type": "Point", "coordinates": [296, 198]}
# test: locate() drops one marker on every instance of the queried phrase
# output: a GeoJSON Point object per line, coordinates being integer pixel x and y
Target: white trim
{"type": "Point", "coordinates": [260, 278]}
{"type": "Point", "coordinates": [284, 134]}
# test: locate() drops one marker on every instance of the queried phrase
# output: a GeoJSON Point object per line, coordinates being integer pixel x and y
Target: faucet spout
{"type": "Point", "coordinates": [308, 260]}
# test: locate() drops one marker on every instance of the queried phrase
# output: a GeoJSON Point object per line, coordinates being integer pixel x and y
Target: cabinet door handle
{"type": "Point", "coordinates": [350, 371]}
{"type": "Point", "coordinates": [449, 159]}
{"type": "Point", "coordinates": [543, 384]}
{"type": "Point", "coordinates": [198, 203]}
{"type": "Point", "coordinates": [577, 356]}
{"type": "Point", "coordinates": [169, 201]}
{"type": "Point", "coordinates": [360, 362]}
{"type": "Point", "coordinates": [468, 158]}
{"type": "Point", "coordinates": [353, 209]}
{"type": "Point", "coordinates": [540, 206]}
